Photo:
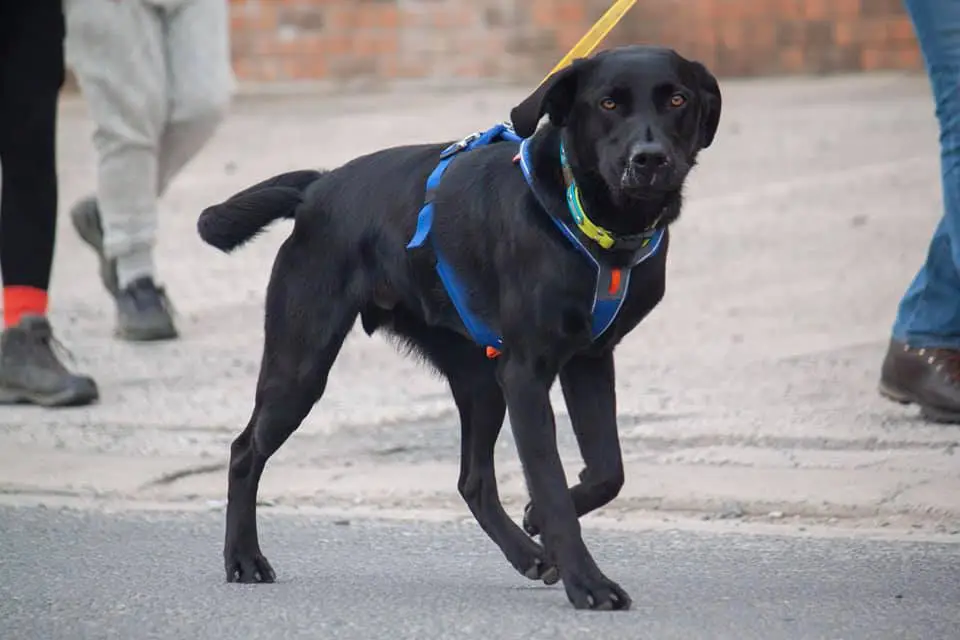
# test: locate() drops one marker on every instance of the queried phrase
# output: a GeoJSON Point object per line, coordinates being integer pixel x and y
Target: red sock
{"type": "Point", "coordinates": [21, 301]}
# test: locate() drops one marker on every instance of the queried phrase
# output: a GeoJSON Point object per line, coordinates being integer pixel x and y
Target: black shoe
{"type": "Point", "coordinates": [30, 371]}
{"type": "Point", "coordinates": [929, 377]}
{"type": "Point", "coordinates": [85, 216]}
{"type": "Point", "coordinates": [144, 313]}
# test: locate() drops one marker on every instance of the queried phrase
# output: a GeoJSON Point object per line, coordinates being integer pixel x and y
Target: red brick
{"type": "Point", "coordinates": [731, 35]}
{"type": "Point", "coordinates": [909, 58]}
{"type": "Point", "coordinates": [569, 13]}
{"type": "Point", "coordinates": [844, 33]}
{"type": "Point", "coordinates": [816, 9]}
{"type": "Point", "coordinates": [900, 30]}
{"type": "Point", "coordinates": [792, 60]}
{"type": "Point", "coordinates": [845, 8]}
{"type": "Point", "coordinates": [543, 13]}
{"type": "Point", "coordinates": [386, 39]}
{"type": "Point", "coordinates": [872, 59]}
{"type": "Point", "coordinates": [790, 9]}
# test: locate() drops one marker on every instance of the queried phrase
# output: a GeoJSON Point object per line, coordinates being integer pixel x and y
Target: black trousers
{"type": "Point", "coordinates": [31, 75]}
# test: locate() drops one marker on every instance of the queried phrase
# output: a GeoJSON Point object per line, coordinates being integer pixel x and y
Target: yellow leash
{"type": "Point", "coordinates": [583, 48]}
{"type": "Point", "coordinates": [595, 36]}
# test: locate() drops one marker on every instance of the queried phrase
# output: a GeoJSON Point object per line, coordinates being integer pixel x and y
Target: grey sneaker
{"type": "Point", "coordinates": [143, 310]}
{"type": "Point", "coordinates": [30, 371]}
{"type": "Point", "coordinates": [144, 313]}
{"type": "Point", "coordinates": [85, 216]}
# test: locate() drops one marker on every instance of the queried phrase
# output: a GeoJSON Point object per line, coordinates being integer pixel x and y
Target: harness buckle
{"type": "Point", "coordinates": [457, 147]}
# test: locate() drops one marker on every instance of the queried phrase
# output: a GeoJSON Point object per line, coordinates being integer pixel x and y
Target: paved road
{"type": "Point", "coordinates": [84, 575]}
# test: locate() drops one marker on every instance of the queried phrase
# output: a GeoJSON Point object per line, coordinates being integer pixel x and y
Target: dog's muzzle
{"type": "Point", "coordinates": [648, 167]}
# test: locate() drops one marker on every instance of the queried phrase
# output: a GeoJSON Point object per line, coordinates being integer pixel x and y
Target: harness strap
{"type": "Point", "coordinates": [648, 249]}
{"type": "Point", "coordinates": [478, 330]}
{"type": "Point", "coordinates": [611, 284]}
{"type": "Point", "coordinates": [478, 139]}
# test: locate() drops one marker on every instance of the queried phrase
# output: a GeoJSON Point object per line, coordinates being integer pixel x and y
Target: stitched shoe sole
{"type": "Point", "coordinates": [896, 395]}
{"type": "Point", "coordinates": [77, 397]}
{"type": "Point", "coordinates": [86, 220]}
{"type": "Point", "coordinates": [929, 412]}
{"type": "Point", "coordinates": [941, 416]}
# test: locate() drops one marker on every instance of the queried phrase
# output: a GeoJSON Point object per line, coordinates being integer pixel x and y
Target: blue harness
{"type": "Point", "coordinates": [612, 284]}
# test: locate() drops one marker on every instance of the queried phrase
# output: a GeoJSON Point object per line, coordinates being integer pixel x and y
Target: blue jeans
{"type": "Point", "coordinates": [929, 313]}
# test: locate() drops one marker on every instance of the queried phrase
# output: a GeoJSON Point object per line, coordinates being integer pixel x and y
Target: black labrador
{"type": "Point", "coordinates": [631, 122]}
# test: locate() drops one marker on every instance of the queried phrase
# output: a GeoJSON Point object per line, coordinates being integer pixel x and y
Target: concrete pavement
{"type": "Point", "coordinates": [748, 396]}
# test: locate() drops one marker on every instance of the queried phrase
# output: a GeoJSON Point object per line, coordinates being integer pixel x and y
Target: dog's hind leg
{"type": "Point", "coordinates": [304, 330]}
{"type": "Point", "coordinates": [589, 391]}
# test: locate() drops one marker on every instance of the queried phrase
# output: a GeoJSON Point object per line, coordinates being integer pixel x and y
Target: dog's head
{"type": "Point", "coordinates": [635, 117]}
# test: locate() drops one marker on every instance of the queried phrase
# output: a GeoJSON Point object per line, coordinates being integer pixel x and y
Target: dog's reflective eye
{"type": "Point", "coordinates": [677, 100]}
{"type": "Point", "coordinates": [608, 103]}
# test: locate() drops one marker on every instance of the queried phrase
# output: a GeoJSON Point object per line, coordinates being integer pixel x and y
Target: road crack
{"type": "Point", "coordinates": [175, 476]}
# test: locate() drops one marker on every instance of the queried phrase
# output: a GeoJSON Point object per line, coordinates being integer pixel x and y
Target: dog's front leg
{"type": "Point", "coordinates": [526, 385]}
{"type": "Point", "coordinates": [589, 388]}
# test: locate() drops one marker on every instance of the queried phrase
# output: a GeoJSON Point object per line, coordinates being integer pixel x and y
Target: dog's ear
{"type": "Point", "coordinates": [710, 103]}
{"type": "Point", "coordinates": [554, 97]}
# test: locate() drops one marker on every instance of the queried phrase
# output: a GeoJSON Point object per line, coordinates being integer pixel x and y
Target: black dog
{"type": "Point", "coordinates": [537, 250]}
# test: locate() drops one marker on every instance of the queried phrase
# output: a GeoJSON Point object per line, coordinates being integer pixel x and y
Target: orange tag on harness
{"type": "Point", "coordinates": [614, 281]}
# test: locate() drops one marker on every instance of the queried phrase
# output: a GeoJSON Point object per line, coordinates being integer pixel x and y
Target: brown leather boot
{"type": "Point", "coordinates": [928, 377]}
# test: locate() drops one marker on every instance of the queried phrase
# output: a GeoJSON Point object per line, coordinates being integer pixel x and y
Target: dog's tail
{"type": "Point", "coordinates": [230, 224]}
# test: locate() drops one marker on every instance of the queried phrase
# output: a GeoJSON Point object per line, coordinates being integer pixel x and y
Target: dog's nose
{"type": "Point", "coordinates": [648, 157]}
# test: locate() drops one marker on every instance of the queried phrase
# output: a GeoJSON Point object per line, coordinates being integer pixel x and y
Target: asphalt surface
{"type": "Point", "coordinates": [78, 575]}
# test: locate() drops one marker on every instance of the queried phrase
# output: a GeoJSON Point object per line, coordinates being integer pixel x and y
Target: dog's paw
{"type": "Point", "coordinates": [541, 570]}
{"type": "Point", "coordinates": [598, 593]}
{"type": "Point", "coordinates": [529, 558]}
{"type": "Point", "coordinates": [249, 568]}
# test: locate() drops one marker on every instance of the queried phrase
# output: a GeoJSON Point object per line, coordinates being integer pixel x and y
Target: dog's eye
{"type": "Point", "coordinates": [608, 103]}
{"type": "Point", "coordinates": [677, 100]}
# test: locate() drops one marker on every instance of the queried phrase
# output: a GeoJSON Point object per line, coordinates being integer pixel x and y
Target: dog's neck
{"type": "Point", "coordinates": [621, 218]}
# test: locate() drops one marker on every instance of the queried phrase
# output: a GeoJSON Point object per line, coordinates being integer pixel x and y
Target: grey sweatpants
{"type": "Point", "coordinates": [157, 79]}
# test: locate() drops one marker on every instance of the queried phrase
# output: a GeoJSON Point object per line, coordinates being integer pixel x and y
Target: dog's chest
{"type": "Point", "coordinates": [581, 290]}
{"type": "Point", "coordinates": [647, 288]}
{"type": "Point", "coordinates": [546, 295]}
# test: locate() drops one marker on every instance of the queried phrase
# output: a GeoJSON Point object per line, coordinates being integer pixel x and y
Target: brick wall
{"type": "Point", "coordinates": [382, 40]}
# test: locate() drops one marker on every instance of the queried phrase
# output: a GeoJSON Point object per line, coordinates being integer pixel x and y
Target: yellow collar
{"type": "Point", "coordinates": [587, 227]}
{"type": "Point", "coordinates": [598, 234]}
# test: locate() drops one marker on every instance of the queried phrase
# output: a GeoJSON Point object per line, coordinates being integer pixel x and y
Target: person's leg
{"type": "Point", "coordinates": [201, 81]}
{"type": "Point", "coordinates": [31, 74]}
{"type": "Point", "coordinates": [923, 364]}
{"type": "Point", "coordinates": [116, 50]}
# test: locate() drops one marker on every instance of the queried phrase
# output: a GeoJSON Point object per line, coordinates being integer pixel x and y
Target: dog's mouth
{"type": "Point", "coordinates": [631, 185]}
{"type": "Point", "coordinates": [645, 184]}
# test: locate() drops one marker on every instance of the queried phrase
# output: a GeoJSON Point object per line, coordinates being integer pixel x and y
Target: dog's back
{"type": "Point", "coordinates": [374, 190]}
